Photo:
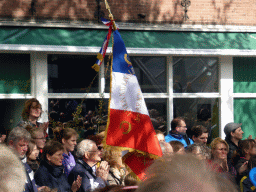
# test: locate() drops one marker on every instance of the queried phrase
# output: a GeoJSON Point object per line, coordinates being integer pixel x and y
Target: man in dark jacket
{"type": "Point", "coordinates": [234, 134]}
{"type": "Point", "coordinates": [18, 140]}
{"type": "Point", "coordinates": [88, 156]}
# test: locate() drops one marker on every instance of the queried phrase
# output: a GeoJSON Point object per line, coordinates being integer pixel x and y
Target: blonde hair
{"type": "Point", "coordinates": [12, 174]}
{"type": "Point", "coordinates": [217, 141]}
{"type": "Point", "coordinates": [113, 157]}
{"type": "Point", "coordinates": [214, 144]}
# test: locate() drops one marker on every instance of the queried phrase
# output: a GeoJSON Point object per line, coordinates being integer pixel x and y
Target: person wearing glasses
{"type": "Point", "coordinates": [88, 156]}
{"type": "Point", "coordinates": [178, 132]}
{"type": "Point", "coordinates": [68, 138]}
{"type": "Point", "coordinates": [38, 136]}
{"type": "Point", "coordinates": [32, 111]}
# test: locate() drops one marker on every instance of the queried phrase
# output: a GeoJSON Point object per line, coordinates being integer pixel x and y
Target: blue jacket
{"type": "Point", "coordinates": [89, 180]}
{"type": "Point", "coordinates": [52, 176]}
{"type": "Point", "coordinates": [30, 185]}
{"type": "Point", "coordinates": [177, 137]}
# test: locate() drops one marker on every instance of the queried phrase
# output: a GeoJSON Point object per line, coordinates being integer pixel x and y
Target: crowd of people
{"type": "Point", "coordinates": [39, 157]}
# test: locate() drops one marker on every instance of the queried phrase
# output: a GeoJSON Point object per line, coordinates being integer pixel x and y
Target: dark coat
{"type": "Point", "coordinates": [89, 180]}
{"type": "Point", "coordinates": [232, 148]}
{"type": "Point", "coordinates": [246, 185]}
{"type": "Point", "coordinates": [30, 185]}
{"type": "Point", "coordinates": [52, 176]}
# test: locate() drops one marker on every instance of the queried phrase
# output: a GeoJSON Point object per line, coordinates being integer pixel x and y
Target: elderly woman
{"type": "Point", "coordinates": [51, 171]}
{"type": "Point", "coordinates": [218, 161]}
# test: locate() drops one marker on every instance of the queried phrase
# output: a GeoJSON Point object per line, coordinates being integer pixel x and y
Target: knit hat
{"type": "Point", "coordinates": [231, 127]}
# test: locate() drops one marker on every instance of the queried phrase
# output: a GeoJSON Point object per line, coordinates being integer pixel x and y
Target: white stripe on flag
{"type": "Point", "coordinates": [126, 94]}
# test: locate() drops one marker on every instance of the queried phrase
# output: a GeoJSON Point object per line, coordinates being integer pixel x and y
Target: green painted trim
{"type": "Point", "coordinates": [244, 70]}
{"type": "Point", "coordinates": [245, 113]}
{"type": "Point", "coordinates": [135, 39]}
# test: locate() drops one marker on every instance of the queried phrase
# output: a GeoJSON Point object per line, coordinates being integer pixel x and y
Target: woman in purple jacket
{"type": "Point", "coordinates": [68, 138]}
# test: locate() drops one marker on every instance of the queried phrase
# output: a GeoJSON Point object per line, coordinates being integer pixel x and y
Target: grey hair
{"type": "Point", "coordinates": [17, 134]}
{"type": "Point", "coordinates": [163, 146]}
{"type": "Point", "coordinates": [83, 146]}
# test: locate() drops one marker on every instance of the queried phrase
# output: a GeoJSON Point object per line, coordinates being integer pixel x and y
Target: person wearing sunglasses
{"type": "Point", "coordinates": [88, 156]}
{"type": "Point", "coordinates": [68, 138]}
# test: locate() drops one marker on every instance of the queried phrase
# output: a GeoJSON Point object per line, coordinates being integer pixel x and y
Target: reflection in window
{"type": "Point", "coordinates": [198, 111]}
{"type": "Point", "coordinates": [157, 112]}
{"type": "Point", "coordinates": [71, 74]}
{"type": "Point", "coordinates": [150, 72]}
{"type": "Point", "coordinates": [87, 116]}
{"type": "Point", "coordinates": [195, 75]}
{"type": "Point", "coordinates": [15, 73]}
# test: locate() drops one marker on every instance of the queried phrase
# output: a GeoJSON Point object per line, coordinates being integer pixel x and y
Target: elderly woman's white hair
{"type": "Point", "coordinates": [83, 146]}
{"type": "Point", "coordinates": [12, 174]}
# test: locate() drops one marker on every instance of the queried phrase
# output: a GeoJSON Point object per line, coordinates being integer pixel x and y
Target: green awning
{"type": "Point", "coordinates": [134, 39]}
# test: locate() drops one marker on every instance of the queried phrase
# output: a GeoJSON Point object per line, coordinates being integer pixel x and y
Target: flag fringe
{"type": "Point", "coordinates": [109, 147]}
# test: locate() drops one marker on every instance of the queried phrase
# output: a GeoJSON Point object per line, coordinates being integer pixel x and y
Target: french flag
{"type": "Point", "coordinates": [108, 22]}
{"type": "Point", "coordinates": [129, 125]}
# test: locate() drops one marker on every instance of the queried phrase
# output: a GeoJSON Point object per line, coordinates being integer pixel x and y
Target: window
{"type": "Point", "coordinates": [72, 74]}
{"type": "Point", "coordinates": [150, 72]}
{"type": "Point", "coordinates": [192, 78]}
{"type": "Point", "coordinates": [15, 73]}
{"type": "Point", "coordinates": [195, 75]}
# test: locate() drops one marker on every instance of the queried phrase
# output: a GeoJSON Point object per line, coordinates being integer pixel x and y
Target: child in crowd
{"type": "Point", "coordinates": [32, 155]}
{"type": "Point", "coordinates": [178, 147]}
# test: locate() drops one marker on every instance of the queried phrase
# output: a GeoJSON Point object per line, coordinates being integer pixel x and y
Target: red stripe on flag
{"type": "Point", "coordinates": [138, 164]}
{"type": "Point", "coordinates": [132, 130]}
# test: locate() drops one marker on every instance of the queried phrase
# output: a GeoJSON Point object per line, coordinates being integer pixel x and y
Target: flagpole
{"type": "Point", "coordinates": [111, 17]}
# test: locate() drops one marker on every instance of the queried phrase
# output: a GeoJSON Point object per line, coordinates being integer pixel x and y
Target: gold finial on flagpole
{"type": "Point", "coordinates": [111, 17]}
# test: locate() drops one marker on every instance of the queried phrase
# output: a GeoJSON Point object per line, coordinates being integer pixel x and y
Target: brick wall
{"type": "Point", "coordinates": [228, 12]}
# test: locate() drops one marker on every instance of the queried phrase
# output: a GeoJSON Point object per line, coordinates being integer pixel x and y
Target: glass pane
{"type": "Point", "coordinates": [195, 75]}
{"type": "Point", "coordinates": [72, 74]}
{"type": "Point", "coordinates": [198, 111]}
{"type": "Point", "coordinates": [92, 115]}
{"type": "Point", "coordinates": [244, 112]}
{"type": "Point", "coordinates": [15, 73]}
{"type": "Point", "coordinates": [150, 72]}
{"type": "Point", "coordinates": [10, 113]}
{"type": "Point", "coordinates": [158, 112]}
{"type": "Point", "coordinates": [244, 75]}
